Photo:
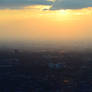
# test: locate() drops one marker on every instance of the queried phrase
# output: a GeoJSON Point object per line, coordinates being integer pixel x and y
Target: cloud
{"type": "Point", "coordinates": [17, 4]}
{"type": "Point", "coordinates": [71, 4]}
{"type": "Point", "coordinates": [55, 4]}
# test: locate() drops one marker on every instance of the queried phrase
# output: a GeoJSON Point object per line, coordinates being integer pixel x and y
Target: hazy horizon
{"type": "Point", "coordinates": [46, 23]}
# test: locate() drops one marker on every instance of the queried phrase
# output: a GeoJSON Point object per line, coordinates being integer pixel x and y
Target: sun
{"type": "Point", "coordinates": [63, 12]}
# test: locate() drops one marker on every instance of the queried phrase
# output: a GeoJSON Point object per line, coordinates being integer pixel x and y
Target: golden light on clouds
{"type": "Point", "coordinates": [51, 0]}
{"type": "Point", "coordinates": [38, 7]}
{"type": "Point", "coordinates": [35, 11]}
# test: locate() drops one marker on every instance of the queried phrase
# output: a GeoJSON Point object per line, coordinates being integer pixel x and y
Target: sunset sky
{"type": "Point", "coordinates": [46, 20]}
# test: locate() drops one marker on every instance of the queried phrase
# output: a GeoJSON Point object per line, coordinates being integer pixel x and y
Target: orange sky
{"type": "Point", "coordinates": [33, 23]}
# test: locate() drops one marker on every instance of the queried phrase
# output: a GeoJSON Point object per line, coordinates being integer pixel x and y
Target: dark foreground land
{"type": "Point", "coordinates": [45, 71]}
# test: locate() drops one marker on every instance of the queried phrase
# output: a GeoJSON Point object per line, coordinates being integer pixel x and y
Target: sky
{"type": "Point", "coordinates": [58, 21]}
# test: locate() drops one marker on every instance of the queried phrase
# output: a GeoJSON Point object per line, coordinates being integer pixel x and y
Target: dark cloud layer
{"type": "Point", "coordinates": [22, 3]}
{"type": "Point", "coordinates": [58, 4]}
{"type": "Point", "coordinates": [71, 4]}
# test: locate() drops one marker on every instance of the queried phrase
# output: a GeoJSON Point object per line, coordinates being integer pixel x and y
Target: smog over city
{"type": "Point", "coordinates": [45, 46]}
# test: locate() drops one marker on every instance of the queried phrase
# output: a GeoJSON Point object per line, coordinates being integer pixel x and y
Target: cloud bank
{"type": "Point", "coordinates": [17, 4]}
{"type": "Point", "coordinates": [71, 4]}
{"type": "Point", "coordinates": [55, 4]}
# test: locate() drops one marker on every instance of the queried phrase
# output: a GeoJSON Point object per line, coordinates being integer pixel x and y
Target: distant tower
{"type": "Point", "coordinates": [16, 53]}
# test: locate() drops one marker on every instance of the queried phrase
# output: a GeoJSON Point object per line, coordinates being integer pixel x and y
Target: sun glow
{"type": "Point", "coordinates": [39, 23]}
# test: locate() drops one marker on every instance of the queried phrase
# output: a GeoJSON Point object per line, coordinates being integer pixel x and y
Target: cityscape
{"type": "Point", "coordinates": [45, 45]}
{"type": "Point", "coordinates": [45, 71]}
